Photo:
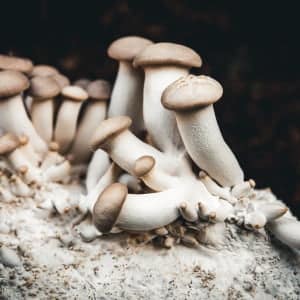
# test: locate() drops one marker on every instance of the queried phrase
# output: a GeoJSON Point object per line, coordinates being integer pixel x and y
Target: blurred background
{"type": "Point", "coordinates": [250, 47]}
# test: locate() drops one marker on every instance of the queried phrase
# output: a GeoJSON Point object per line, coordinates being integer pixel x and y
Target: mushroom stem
{"type": "Point", "coordinates": [127, 95]}
{"type": "Point", "coordinates": [96, 169]}
{"type": "Point", "coordinates": [15, 120]}
{"type": "Point", "coordinates": [163, 129]}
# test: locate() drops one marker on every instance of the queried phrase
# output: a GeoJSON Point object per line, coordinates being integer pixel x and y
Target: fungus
{"type": "Point", "coordinates": [43, 90]}
{"type": "Point", "coordinates": [127, 93]}
{"type": "Point", "coordinates": [94, 114]}
{"type": "Point", "coordinates": [192, 99]}
{"type": "Point", "coordinates": [163, 63]}
{"type": "Point", "coordinates": [43, 71]}
{"type": "Point", "coordinates": [14, 63]}
{"type": "Point", "coordinates": [13, 115]}
{"type": "Point", "coordinates": [66, 122]}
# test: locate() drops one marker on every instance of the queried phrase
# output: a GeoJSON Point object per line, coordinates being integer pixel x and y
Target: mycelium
{"type": "Point", "coordinates": [185, 186]}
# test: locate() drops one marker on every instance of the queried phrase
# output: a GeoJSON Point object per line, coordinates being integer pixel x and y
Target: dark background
{"type": "Point", "coordinates": [249, 46]}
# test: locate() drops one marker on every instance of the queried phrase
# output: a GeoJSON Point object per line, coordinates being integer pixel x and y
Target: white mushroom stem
{"type": "Point", "coordinates": [243, 189]}
{"type": "Point", "coordinates": [127, 95]}
{"type": "Point", "coordinates": [287, 230]}
{"type": "Point", "coordinates": [96, 168]}
{"type": "Point", "coordinates": [160, 122]}
{"type": "Point", "coordinates": [42, 113]}
{"type": "Point", "coordinates": [52, 158]}
{"type": "Point", "coordinates": [19, 188]}
{"type": "Point", "coordinates": [15, 120]}
{"type": "Point", "coordinates": [215, 189]}
{"type": "Point", "coordinates": [87, 202]}
{"type": "Point", "coordinates": [58, 173]}
{"type": "Point", "coordinates": [93, 115]}
{"type": "Point", "coordinates": [205, 144]}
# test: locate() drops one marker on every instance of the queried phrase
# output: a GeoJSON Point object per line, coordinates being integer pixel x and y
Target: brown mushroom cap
{"type": "Point", "coordinates": [108, 129]}
{"type": "Point", "coordinates": [191, 92]}
{"type": "Point", "coordinates": [74, 93]}
{"type": "Point", "coordinates": [143, 165]}
{"type": "Point", "coordinates": [61, 80]}
{"type": "Point", "coordinates": [43, 71]}
{"type": "Point", "coordinates": [168, 54]}
{"type": "Point", "coordinates": [42, 88]}
{"type": "Point", "coordinates": [108, 206]}
{"type": "Point", "coordinates": [126, 48]}
{"type": "Point", "coordinates": [14, 63]}
{"type": "Point", "coordinates": [8, 143]}
{"type": "Point", "coordinates": [83, 83]}
{"type": "Point", "coordinates": [12, 83]}
{"type": "Point", "coordinates": [99, 90]}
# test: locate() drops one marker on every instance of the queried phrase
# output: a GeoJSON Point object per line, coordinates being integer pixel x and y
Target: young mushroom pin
{"type": "Point", "coordinates": [192, 99]}
{"type": "Point", "coordinates": [127, 93]}
{"type": "Point", "coordinates": [163, 63]}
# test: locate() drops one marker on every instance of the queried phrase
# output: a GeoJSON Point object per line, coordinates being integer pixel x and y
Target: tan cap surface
{"type": "Point", "coordinates": [61, 80]}
{"type": "Point", "coordinates": [143, 165]}
{"type": "Point", "coordinates": [43, 71]}
{"type": "Point", "coordinates": [12, 83]}
{"type": "Point", "coordinates": [191, 92]}
{"type": "Point", "coordinates": [8, 143]}
{"type": "Point", "coordinates": [83, 83]}
{"type": "Point", "coordinates": [108, 206]}
{"type": "Point", "coordinates": [74, 93]}
{"type": "Point", "coordinates": [43, 88]}
{"type": "Point", "coordinates": [168, 54]}
{"type": "Point", "coordinates": [99, 90]}
{"type": "Point", "coordinates": [109, 128]}
{"type": "Point", "coordinates": [20, 64]}
{"type": "Point", "coordinates": [126, 48]}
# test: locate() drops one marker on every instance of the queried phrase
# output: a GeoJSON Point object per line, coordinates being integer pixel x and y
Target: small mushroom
{"type": "Point", "coordinates": [94, 113]}
{"type": "Point", "coordinates": [43, 90]}
{"type": "Point", "coordinates": [14, 63]}
{"type": "Point", "coordinates": [14, 118]}
{"type": "Point", "coordinates": [43, 71]}
{"type": "Point", "coordinates": [192, 99]}
{"type": "Point", "coordinates": [163, 63]}
{"type": "Point", "coordinates": [83, 83]}
{"type": "Point", "coordinates": [66, 122]}
{"type": "Point", "coordinates": [127, 93]}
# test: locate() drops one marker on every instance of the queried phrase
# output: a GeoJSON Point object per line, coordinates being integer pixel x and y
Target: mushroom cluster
{"type": "Point", "coordinates": [153, 161]}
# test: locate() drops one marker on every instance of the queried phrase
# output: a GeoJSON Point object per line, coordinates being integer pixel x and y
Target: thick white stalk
{"type": "Point", "coordinates": [15, 120]}
{"type": "Point", "coordinates": [205, 144]}
{"type": "Point", "coordinates": [127, 95]}
{"type": "Point", "coordinates": [161, 123]}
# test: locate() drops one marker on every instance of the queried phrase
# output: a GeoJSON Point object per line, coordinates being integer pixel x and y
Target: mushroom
{"type": "Point", "coordinates": [192, 99]}
{"type": "Point", "coordinates": [125, 148]}
{"type": "Point", "coordinates": [163, 63]}
{"type": "Point", "coordinates": [142, 212]}
{"type": "Point", "coordinates": [66, 122]}
{"type": "Point", "coordinates": [13, 114]}
{"type": "Point", "coordinates": [83, 83]}
{"type": "Point", "coordinates": [43, 71]}
{"type": "Point", "coordinates": [127, 93]}
{"type": "Point", "coordinates": [14, 63]}
{"type": "Point", "coordinates": [94, 114]}
{"type": "Point", "coordinates": [61, 80]}
{"type": "Point", "coordinates": [43, 90]}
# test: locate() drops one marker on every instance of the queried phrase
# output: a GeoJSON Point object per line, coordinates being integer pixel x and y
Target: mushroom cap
{"type": "Point", "coordinates": [143, 165]}
{"type": "Point", "coordinates": [99, 90]}
{"type": "Point", "coordinates": [108, 206]}
{"type": "Point", "coordinates": [42, 88]}
{"type": "Point", "coordinates": [83, 83]}
{"type": "Point", "coordinates": [12, 83]}
{"type": "Point", "coordinates": [74, 93]}
{"type": "Point", "coordinates": [108, 129]}
{"type": "Point", "coordinates": [126, 48]}
{"type": "Point", "coordinates": [43, 71]}
{"type": "Point", "coordinates": [20, 64]}
{"type": "Point", "coordinates": [168, 54]}
{"type": "Point", "coordinates": [61, 80]}
{"type": "Point", "coordinates": [8, 143]}
{"type": "Point", "coordinates": [191, 92]}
